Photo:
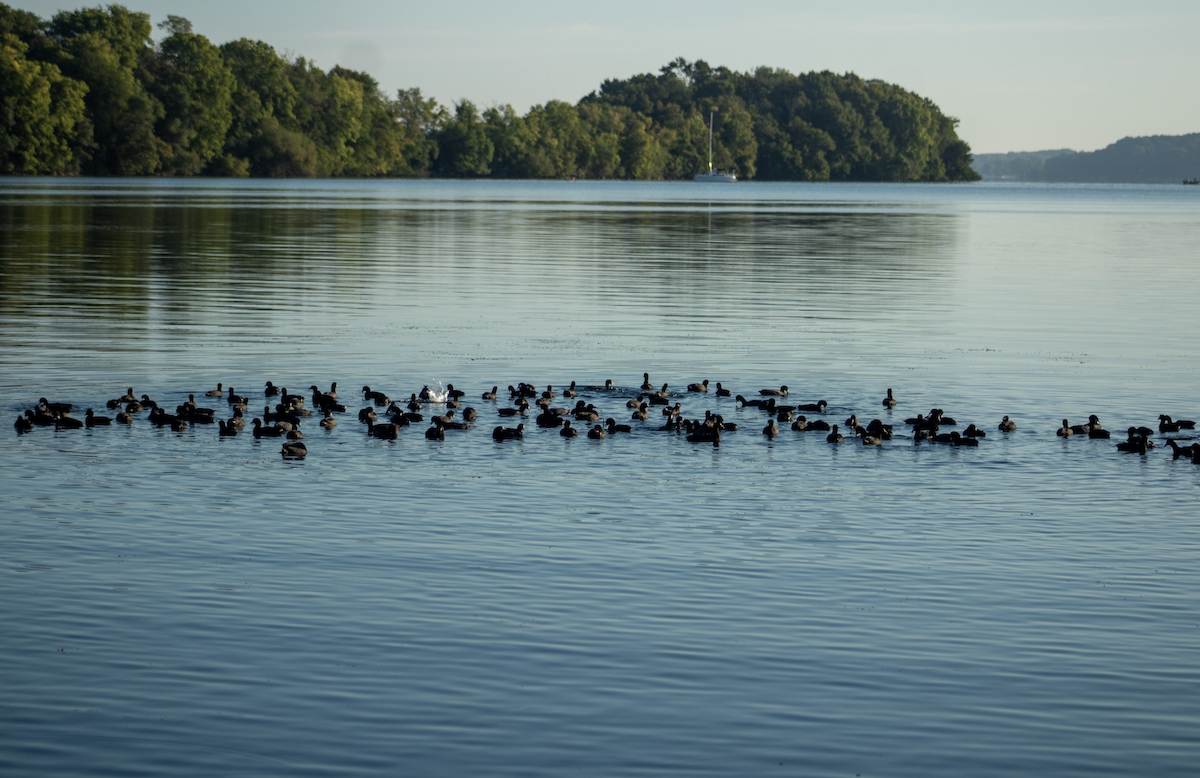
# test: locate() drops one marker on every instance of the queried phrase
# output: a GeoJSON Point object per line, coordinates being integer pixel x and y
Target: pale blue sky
{"type": "Point", "coordinates": [1021, 76]}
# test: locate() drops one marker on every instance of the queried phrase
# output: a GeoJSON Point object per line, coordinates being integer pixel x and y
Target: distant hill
{"type": "Point", "coordinates": [1015, 165]}
{"type": "Point", "coordinates": [1157, 159]}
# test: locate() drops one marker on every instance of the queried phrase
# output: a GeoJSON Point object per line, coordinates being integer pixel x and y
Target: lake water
{"type": "Point", "coordinates": [180, 604]}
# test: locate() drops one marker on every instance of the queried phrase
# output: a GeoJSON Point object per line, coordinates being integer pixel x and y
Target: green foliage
{"type": "Point", "coordinates": [39, 108]}
{"type": "Point", "coordinates": [195, 87]}
{"type": "Point", "coordinates": [88, 91]}
{"type": "Point", "coordinates": [464, 145]}
{"type": "Point", "coordinates": [1156, 159]}
{"type": "Point", "coordinates": [109, 51]}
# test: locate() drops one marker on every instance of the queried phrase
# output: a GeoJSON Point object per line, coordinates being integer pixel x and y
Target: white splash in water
{"type": "Point", "coordinates": [437, 393]}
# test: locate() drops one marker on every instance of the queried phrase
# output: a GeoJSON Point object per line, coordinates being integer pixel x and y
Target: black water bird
{"type": "Point", "coordinates": [92, 420]}
{"type": "Point", "coordinates": [1007, 425]}
{"type": "Point", "coordinates": [265, 432]}
{"type": "Point", "coordinates": [509, 433]}
{"type": "Point", "coordinates": [614, 428]}
{"type": "Point", "coordinates": [379, 398]}
{"type": "Point", "coordinates": [1167, 424]}
{"type": "Point", "coordinates": [294, 450]}
{"type": "Point", "coordinates": [889, 401]}
{"type": "Point", "coordinates": [834, 436]}
{"type": "Point", "coordinates": [700, 387]}
{"type": "Point", "coordinates": [382, 431]}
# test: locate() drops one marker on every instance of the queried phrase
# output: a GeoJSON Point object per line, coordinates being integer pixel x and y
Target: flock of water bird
{"type": "Point", "coordinates": [385, 418]}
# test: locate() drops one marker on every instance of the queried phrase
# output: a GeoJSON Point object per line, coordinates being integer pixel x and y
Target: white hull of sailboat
{"type": "Point", "coordinates": [716, 178]}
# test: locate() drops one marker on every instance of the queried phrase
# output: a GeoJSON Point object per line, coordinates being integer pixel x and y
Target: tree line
{"type": "Point", "coordinates": [89, 92]}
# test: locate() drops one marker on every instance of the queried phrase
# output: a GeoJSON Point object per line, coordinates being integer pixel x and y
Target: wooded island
{"type": "Point", "coordinates": [89, 92]}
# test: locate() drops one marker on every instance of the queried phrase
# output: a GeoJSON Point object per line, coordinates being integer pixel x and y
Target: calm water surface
{"type": "Point", "coordinates": [179, 604]}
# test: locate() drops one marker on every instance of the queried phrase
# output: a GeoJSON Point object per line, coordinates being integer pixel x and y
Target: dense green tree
{"type": "Point", "coordinates": [264, 137]}
{"type": "Point", "coordinates": [109, 50]}
{"type": "Point", "coordinates": [464, 148]}
{"type": "Point", "coordinates": [419, 117]}
{"type": "Point", "coordinates": [195, 87]}
{"type": "Point", "coordinates": [88, 91]}
{"type": "Point", "coordinates": [39, 109]}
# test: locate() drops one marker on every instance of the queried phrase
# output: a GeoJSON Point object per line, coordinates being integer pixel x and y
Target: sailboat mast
{"type": "Point", "coordinates": [710, 128]}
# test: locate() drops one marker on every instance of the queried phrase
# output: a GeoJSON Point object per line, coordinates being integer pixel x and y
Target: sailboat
{"type": "Point", "coordinates": [714, 176]}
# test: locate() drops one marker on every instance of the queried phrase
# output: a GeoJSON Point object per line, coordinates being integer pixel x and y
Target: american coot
{"type": "Point", "coordinates": [294, 450]}
{"type": "Point", "coordinates": [92, 420]}
{"type": "Point", "coordinates": [646, 385]}
{"type": "Point", "coordinates": [818, 407]}
{"type": "Point", "coordinates": [382, 431]}
{"type": "Point", "coordinates": [218, 392]}
{"type": "Point", "coordinates": [614, 428]}
{"type": "Point", "coordinates": [436, 432]}
{"type": "Point", "coordinates": [54, 407]}
{"type": "Point", "coordinates": [272, 390]}
{"type": "Point", "coordinates": [568, 431]}
{"type": "Point", "coordinates": [1135, 445]}
{"type": "Point", "coordinates": [597, 433]}
{"type": "Point", "coordinates": [328, 422]}
{"type": "Point", "coordinates": [959, 440]}
{"type": "Point", "coordinates": [569, 392]}
{"type": "Point", "coordinates": [700, 387]}
{"type": "Point", "coordinates": [1007, 425]}
{"type": "Point", "coordinates": [225, 430]}
{"type": "Point", "coordinates": [508, 433]}
{"type": "Point", "coordinates": [973, 432]}
{"type": "Point", "coordinates": [265, 432]}
{"type": "Point", "coordinates": [770, 430]}
{"type": "Point", "coordinates": [780, 392]}
{"type": "Point", "coordinates": [492, 394]}
{"type": "Point", "coordinates": [889, 401]}
{"type": "Point", "coordinates": [1180, 451]}
{"type": "Point", "coordinates": [1167, 424]}
{"type": "Point", "coordinates": [834, 436]}
{"type": "Point", "coordinates": [379, 398]}
{"type": "Point", "coordinates": [722, 391]}
{"type": "Point", "coordinates": [23, 424]}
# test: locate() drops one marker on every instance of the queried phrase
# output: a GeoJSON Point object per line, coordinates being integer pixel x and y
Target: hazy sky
{"type": "Point", "coordinates": [1020, 75]}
